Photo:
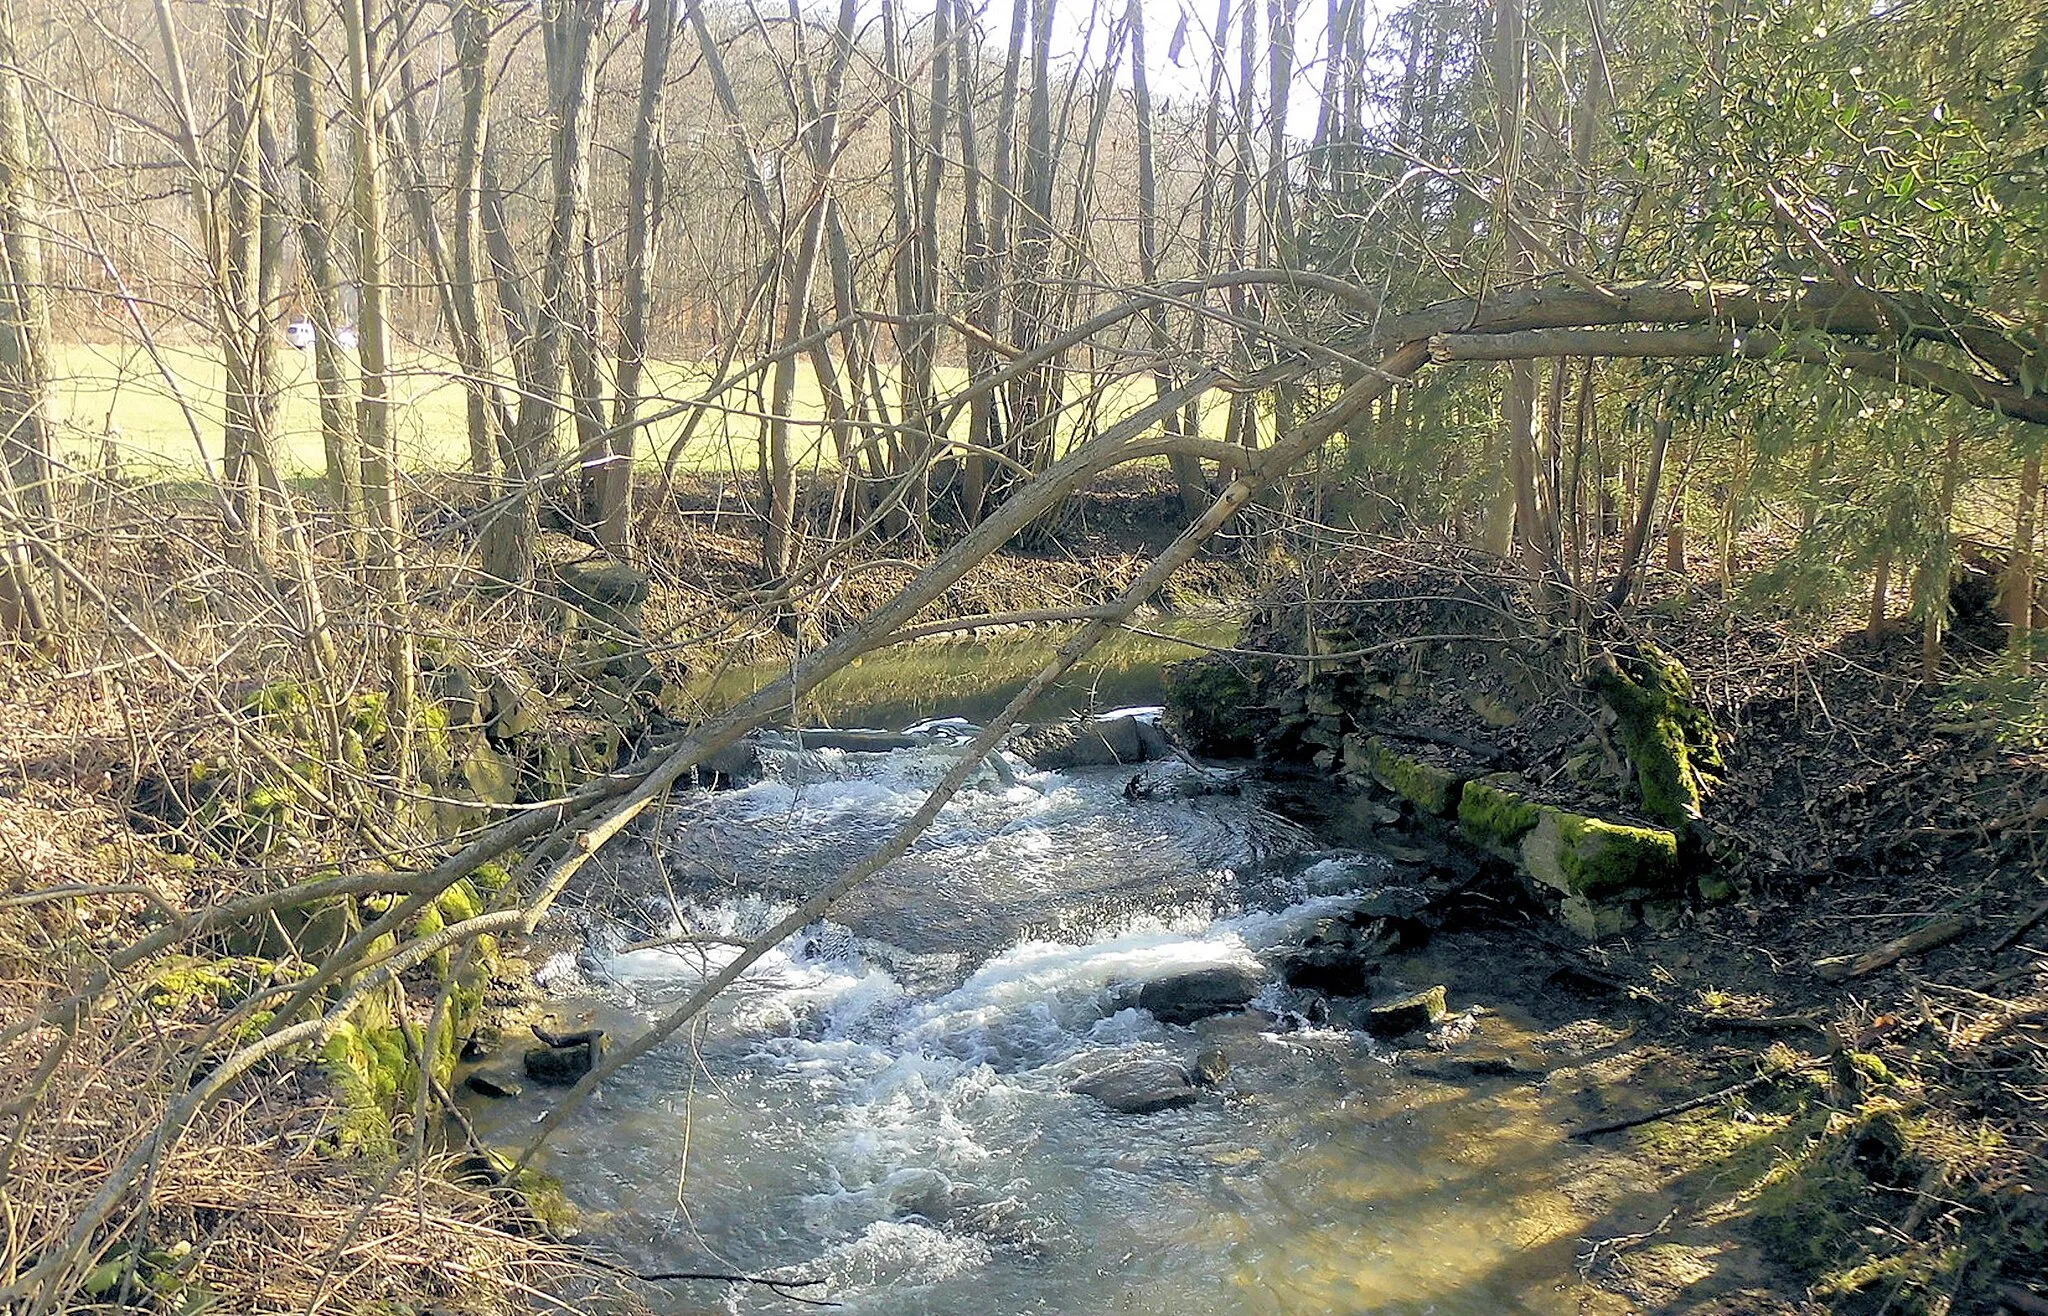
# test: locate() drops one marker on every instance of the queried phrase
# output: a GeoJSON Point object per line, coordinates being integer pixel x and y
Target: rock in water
{"type": "Point", "coordinates": [1088, 742]}
{"type": "Point", "coordinates": [563, 1059]}
{"type": "Point", "coordinates": [1139, 1087]}
{"type": "Point", "coordinates": [1186, 997]}
{"type": "Point", "coordinates": [492, 1083]}
{"type": "Point", "coordinates": [1334, 970]}
{"type": "Point", "coordinates": [1408, 1015]}
{"type": "Point", "coordinates": [1211, 1068]}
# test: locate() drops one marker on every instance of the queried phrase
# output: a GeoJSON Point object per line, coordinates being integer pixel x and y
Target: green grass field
{"type": "Point", "coordinates": [114, 396]}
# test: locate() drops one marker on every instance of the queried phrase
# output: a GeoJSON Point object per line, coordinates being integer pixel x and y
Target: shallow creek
{"type": "Point", "coordinates": [882, 1104]}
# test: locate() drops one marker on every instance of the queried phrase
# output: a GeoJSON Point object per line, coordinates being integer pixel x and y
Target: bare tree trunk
{"type": "Point", "coordinates": [646, 182]}
{"type": "Point", "coordinates": [1939, 566]}
{"type": "Point", "coordinates": [1279, 199]}
{"type": "Point", "coordinates": [461, 313]}
{"type": "Point", "coordinates": [1646, 511]}
{"type": "Point", "coordinates": [24, 309]}
{"type": "Point", "coordinates": [380, 458]}
{"type": "Point", "coordinates": [1206, 207]}
{"type": "Point", "coordinates": [570, 283]}
{"type": "Point", "coordinates": [976, 274]}
{"type": "Point", "coordinates": [2022, 576]}
{"type": "Point", "coordinates": [1880, 596]}
{"type": "Point", "coordinates": [331, 366]}
{"type": "Point", "coordinates": [26, 496]}
{"type": "Point", "coordinates": [1512, 515]}
{"type": "Point", "coordinates": [1187, 468]}
{"type": "Point", "coordinates": [1242, 426]}
{"type": "Point", "coordinates": [1033, 397]}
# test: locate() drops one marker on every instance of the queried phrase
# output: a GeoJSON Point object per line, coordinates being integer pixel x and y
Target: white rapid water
{"type": "Point", "coordinates": [882, 1103]}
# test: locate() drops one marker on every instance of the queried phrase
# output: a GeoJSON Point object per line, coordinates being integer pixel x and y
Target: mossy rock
{"type": "Point", "coordinates": [547, 1202]}
{"type": "Point", "coordinates": [491, 774]}
{"type": "Point", "coordinates": [369, 719]}
{"type": "Point", "coordinates": [604, 584]}
{"type": "Point", "coordinates": [195, 984]}
{"type": "Point", "coordinates": [1493, 815]}
{"type": "Point", "coordinates": [1208, 705]}
{"type": "Point", "coordinates": [1580, 855]}
{"type": "Point", "coordinates": [284, 706]}
{"type": "Point", "coordinates": [371, 1073]}
{"type": "Point", "coordinates": [1667, 735]}
{"type": "Point", "coordinates": [310, 931]}
{"type": "Point", "coordinates": [1594, 919]}
{"type": "Point", "coordinates": [454, 690]}
{"type": "Point", "coordinates": [1430, 787]}
{"type": "Point", "coordinates": [516, 711]}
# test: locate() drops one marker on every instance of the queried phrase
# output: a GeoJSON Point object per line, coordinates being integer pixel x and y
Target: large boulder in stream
{"type": "Point", "coordinates": [1090, 742]}
{"type": "Point", "coordinates": [1139, 1086]}
{"type": "Point", "coordinates": [1186, 997]}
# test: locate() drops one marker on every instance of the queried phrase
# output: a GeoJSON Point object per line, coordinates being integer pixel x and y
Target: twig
{"type": "Point", "coordinates": [1680, 1108]}
{"type": "Point", "coordinates": [2021, 928]}
{"type": "Point", "coordinates": [779, 1287]}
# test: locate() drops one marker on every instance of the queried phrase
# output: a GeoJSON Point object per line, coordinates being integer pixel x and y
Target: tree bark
{"type": "Point", "coordinates": [373, 340]}
{"type": "Point", "coordinates": [25, 470]}
{"type": "Point", "coordinates": [331, 366]}
{"type": "Point", "coordinates": [2022, 576]}
{"type": "Point", "coordinates": [1187, 468]}
{"type": "Point", "coordinates": [646, 182]}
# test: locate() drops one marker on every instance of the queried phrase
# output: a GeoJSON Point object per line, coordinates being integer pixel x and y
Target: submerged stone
{"type": "Point", "coordinates": [560, 1066]}
{"type": "Point", "coordinates": [1187, 997]}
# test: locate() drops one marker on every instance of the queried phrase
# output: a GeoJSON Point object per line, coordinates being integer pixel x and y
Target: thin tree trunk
{"type": "Point", "coordinates": [1206, 206]}
{"type": "Point", "coordinates": [1242, 425]}
{"type": "Point", "coordinates": [1936, 571]}
{"type": "Point", "coordinates": [380, 458]}
{"type": "Point", "coordinates": [2022, 575]}
{"type": "Point", "coordinates": [26, 498]}
{"type": "Point", "coordinates": [1880, 596]}
{"type": "Point", "coordinates": [1187, 468]}
{"type": "Point", "coordinates": [1646, 511]}
{"type": "Point", "coordinates": [331, 365]}
{"type": "Point", "coordinates": [977, 261]}
{"type": "Point", "coordinates": [646, 182]}
{"type": "Point", "coordinates": [1034, 399]}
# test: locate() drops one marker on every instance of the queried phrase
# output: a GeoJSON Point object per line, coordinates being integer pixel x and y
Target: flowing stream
{"type": "Point", "coordinates": [883, 1103]}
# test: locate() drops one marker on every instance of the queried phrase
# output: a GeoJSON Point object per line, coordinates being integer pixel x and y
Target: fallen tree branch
{"type": "Point", "coordinates": [1941, 931]}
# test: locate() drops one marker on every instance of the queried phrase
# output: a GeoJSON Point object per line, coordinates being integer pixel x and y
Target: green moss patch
{"type": "Point", "coordinates": [1495, 817]}
{"type": "Point", "coordinates": [1667, 735]}
{"type": "Point", "coordinates": [367, 1064]}
{"type": "Point", "coordinates": [1430, 787]}
{"type": "Point", "coordinates": [1589, 857]}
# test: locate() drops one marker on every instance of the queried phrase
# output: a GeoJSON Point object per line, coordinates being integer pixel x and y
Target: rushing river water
{"type": "Point", "coordinates": [883, 1103]}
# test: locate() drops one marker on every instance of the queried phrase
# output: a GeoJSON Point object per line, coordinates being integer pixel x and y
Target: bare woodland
{"type": "Point", "coordinates": [1593, 286]}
